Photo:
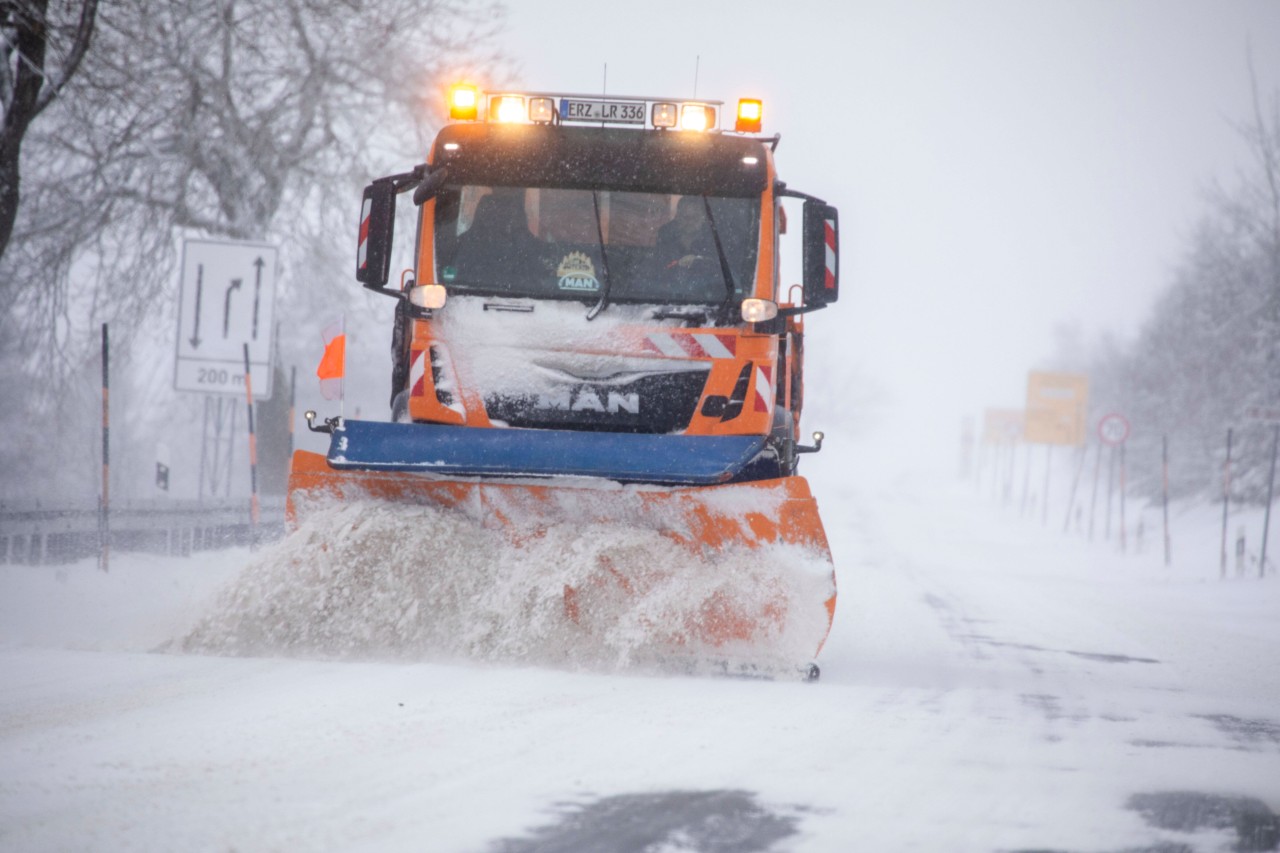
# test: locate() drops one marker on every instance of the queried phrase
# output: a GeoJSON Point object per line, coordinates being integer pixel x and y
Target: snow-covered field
{"type": "Point", "coordinates": [990, 684]}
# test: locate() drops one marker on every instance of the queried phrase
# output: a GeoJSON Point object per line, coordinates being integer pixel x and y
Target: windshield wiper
{"type": "Point", "coordinates": [604, 260]}
{"type": "Point", "coordinates": [729, 285]}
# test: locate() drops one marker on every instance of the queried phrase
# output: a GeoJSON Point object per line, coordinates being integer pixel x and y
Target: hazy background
{"type": "Point", "coordinates": [1009, 175]}
{"type": "Point", "coordinates": [1001, 168]}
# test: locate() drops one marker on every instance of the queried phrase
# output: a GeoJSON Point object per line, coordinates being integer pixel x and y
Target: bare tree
{"type": "Point", "coordinates": [252, 119]}
{"type": "Point", "coordinates": [236, 118]}
{"type": "Point", "coordinates": [30, 78]}
{"type": "Point", "coordinates": [1210, 350]}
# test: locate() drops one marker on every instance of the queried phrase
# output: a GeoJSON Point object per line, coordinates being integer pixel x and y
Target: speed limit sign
{"type": "Point", "coordinates": [1113, 429]}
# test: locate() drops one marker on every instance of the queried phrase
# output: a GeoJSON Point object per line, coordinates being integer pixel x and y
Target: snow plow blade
{"type": "Point", "coordinates": [457, 451]}
{"type": "Point", "coordinates": [739, 574]}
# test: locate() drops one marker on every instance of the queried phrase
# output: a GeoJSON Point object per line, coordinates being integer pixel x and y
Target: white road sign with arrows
{"type": "Point", "coordinates": [227, 301]}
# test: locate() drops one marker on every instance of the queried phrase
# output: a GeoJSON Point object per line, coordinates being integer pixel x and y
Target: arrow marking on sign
{"type": "Point", "coordinates": [195, 334]}
{"type": "Point", "coordinates": [257, 291]}
{"type": "Point", "coordinates": [226, 307]}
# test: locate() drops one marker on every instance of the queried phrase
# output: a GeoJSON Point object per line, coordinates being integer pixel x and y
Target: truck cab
{"type": "Point", "coordinates": [607, 266]}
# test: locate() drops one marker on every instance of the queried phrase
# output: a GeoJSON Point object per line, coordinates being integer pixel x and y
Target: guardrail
{"type": "Point", "coordinates": [34, 535]}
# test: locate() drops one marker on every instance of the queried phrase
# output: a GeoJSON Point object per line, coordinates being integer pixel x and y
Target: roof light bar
{"type": "Point", "coordinates": [508, 107]}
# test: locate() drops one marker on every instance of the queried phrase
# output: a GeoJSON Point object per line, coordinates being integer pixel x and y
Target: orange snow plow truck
{"type": "Point", "coordinates": [594, 331]}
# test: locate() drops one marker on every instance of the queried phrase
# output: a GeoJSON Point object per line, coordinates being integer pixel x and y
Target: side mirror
{"type": "Point", "coordinates": [430, 185]}
{"type": "Point", "coordinates": [377, 228]}
{"type": "Point", "coordinates": [821, 241]}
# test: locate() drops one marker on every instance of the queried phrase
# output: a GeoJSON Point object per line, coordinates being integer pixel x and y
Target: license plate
{"type": "Point", "coordinates": [605, 112]}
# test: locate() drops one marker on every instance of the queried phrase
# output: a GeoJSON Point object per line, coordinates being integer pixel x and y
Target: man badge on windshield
{"type": "Point", "coordinates": [577, 273]}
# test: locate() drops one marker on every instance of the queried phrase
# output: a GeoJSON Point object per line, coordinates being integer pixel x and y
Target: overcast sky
{"type": "Point", "coordinates": [1000, 167]}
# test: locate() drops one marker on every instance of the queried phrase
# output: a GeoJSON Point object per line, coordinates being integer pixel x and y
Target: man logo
{"type": "Point", "coordinates": [577, 273]}
{"type": "Point", "coordinates": [588, 400]}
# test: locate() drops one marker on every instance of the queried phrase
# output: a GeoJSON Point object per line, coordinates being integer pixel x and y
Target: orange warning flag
{"type": "Point", "coordinates": [333, 363]}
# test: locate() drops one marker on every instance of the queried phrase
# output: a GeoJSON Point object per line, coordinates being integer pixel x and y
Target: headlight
{"type": "Point", "coordinates": [758, 310]}
{"type": "Point", "coordinates": [430, 296]}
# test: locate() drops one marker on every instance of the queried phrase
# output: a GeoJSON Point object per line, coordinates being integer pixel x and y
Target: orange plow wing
{"type": "Point", "coordinates": [740, 572]}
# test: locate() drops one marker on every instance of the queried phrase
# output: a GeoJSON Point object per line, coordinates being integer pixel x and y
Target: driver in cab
{"type": "Point", "coordinates": [498, 247]}
{"type": "Point", "coordinates": [686, 240]}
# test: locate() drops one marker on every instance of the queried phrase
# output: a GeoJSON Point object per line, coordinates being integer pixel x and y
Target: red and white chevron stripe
{"type": "Point", "coordinates": [417, 373]}
{"type": "Point", "coordinates": [362, 252]}
{"type": "Point", "coordinates": [696, 345]}
{"type": "Point", "coordinates": [830, 240]}
{"type": "Point", "coordinates": [764, 388]}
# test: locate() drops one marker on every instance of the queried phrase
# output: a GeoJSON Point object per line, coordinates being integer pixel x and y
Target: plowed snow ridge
{"type": "Point", "coordinates": [379, 580]}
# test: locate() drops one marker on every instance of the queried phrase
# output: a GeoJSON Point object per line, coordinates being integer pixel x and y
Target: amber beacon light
{"type": "Point", "coordinates": [750, 116]}
{"type": "Point", "coordinates": [464, 101]}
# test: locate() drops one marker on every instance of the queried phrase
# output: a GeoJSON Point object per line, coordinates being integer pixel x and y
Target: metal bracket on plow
{"type": "Point", "coordinates": [817, 444]}
{"type": "Point", "coordinates": [330, 424]}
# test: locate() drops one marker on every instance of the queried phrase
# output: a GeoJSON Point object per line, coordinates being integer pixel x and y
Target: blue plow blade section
{"type": "Point", "coordinates": [453, 451]}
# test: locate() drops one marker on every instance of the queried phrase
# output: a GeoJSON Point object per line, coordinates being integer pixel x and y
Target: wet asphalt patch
{"type": "Point", "coordinates": [733, 822]}
{"type": "Point", "coordinates": [1256, 827]}
{"type": "Point", "coordinates": [1161, 847]}
{"type": "Point", "coordinates": [1244, 730]}
{"type": "Point", "coordinates": [1245, 735]}
{"type": "Point", "coordinates": [1100, 657]}
{"type": "Point", "coordinates": [703, 821]}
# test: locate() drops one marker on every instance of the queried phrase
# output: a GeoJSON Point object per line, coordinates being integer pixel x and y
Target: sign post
{"type": "Point", "coordinates": [1113, 430]}
{"type": "Point", "coordinates": [1075, 485]}
{"type": "Point", "coordinates": [1002, 429]}
{"type": "Point", "coordinates": [1164, 488]}
{"type": "Point", "coordinates": [1226, 502]}
{"type": "Point", "coordinates": [1057, 407]}
{"type": "Point", "coordinates": [253, 454]}
{"type": "Point", "coordinates": [1097, 475]}
{"type": "Point", "coordinates": [1271, 488]}
{"type": "Point", "coordinates": [1267, 416]}
{"type": "Point", "coordinates": [104, 510]}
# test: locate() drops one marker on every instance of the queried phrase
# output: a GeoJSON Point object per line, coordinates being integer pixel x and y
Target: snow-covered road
{"type": "Point", "coordinates": [990, 684]}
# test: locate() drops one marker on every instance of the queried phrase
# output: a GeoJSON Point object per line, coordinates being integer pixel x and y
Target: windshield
{"type": "Point", "coordinates": [547, 243]}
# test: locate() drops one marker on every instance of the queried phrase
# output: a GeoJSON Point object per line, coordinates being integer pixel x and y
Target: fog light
{"type": "Point", "coordinates": [541, 110]}
{"type": "Point", "coordinates": [758, 310]}
{"type": "Point", "coordinates": [507, 108]}
{"type": "Point", "coordinates": [664, 115]}
{"type": "Point", "coordinates": [697, 117]}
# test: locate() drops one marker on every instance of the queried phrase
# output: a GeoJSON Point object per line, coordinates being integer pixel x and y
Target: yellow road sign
{"type": "Point", "coordinates": [1057, 404]}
